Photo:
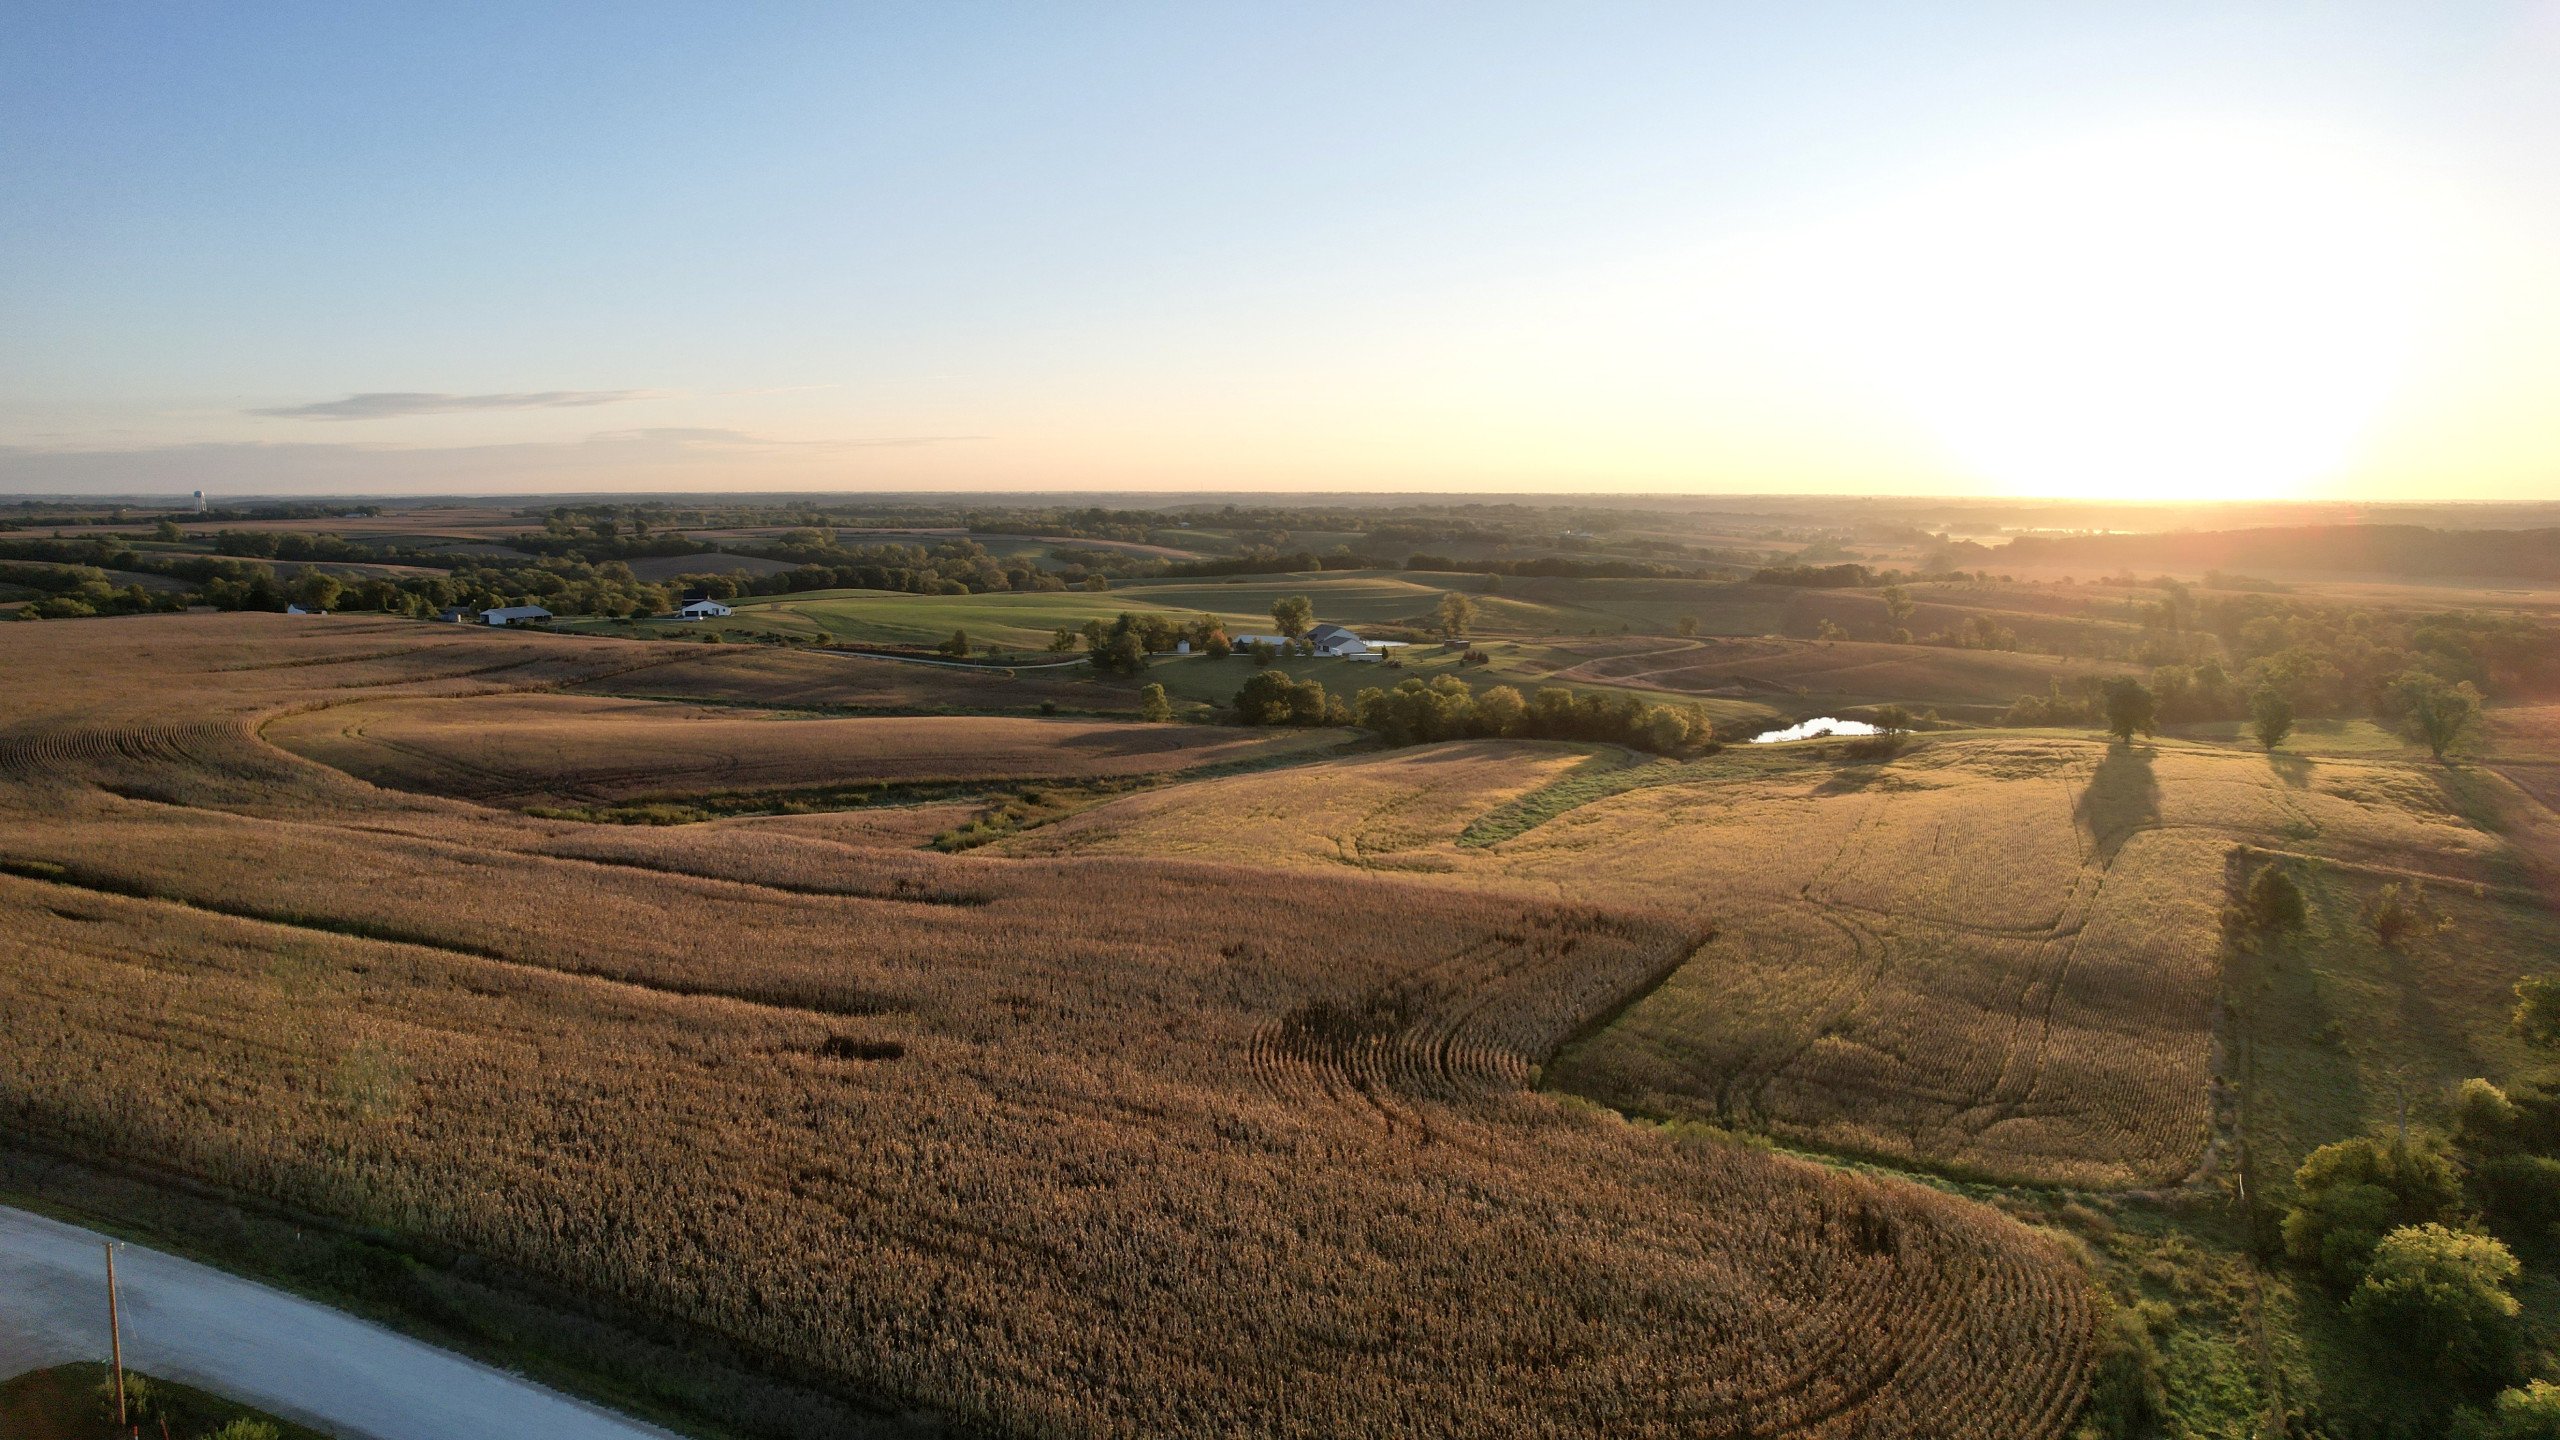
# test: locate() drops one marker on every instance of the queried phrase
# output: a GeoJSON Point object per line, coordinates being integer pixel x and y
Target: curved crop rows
{"type": "Point", "coordinates": [1069, 1146]}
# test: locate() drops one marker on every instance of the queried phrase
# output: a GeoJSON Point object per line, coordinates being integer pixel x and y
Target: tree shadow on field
{"type": "Point", "coordinates": [2121, 798]}
{"type": "Point", "coordinates": [2293, 770]}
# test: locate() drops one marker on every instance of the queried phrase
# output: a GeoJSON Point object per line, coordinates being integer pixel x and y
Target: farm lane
{"type": "Point", "coordinates": [294, 1357]}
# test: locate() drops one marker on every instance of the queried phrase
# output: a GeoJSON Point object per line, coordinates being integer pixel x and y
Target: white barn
{"type": "Point", "coordinates": [1335, 641]}
{"type": "Point", "coordinates": [703, 610]}
{"type": "Point", "coordinates": [514, 614]}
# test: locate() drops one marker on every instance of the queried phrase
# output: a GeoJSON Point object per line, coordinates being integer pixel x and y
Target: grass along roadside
{"type": "Point", "coordinates": [73, 1402]}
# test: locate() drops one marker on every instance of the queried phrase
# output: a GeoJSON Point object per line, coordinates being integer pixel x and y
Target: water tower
{"type": "Point", "coordinates": [199, 502]}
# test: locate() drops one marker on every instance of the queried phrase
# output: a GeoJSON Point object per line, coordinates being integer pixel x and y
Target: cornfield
{"type": "Point", "coordinates": [1075, 1146]}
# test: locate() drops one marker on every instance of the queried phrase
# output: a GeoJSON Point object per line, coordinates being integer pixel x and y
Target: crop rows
{"type": "Point", "coordinates": [1029, 1143]}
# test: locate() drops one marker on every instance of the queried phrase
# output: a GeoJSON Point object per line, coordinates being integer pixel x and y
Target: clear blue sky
{"type": "Point", "coordinates": [1364, 246]}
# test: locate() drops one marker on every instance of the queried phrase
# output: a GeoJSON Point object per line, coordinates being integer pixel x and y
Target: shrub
{"type": "Point", "coordinates": [2438, 1298]}
{"type": "Point", "coordinates": [2400, 912]}
{"type": "Point", "coordinates": [2126, 1396]}
{"type": "Point", "coordinates": [2537, 1012]}
{"type": "Point", "coordinates": [2520, 1191]}
{"type": "Point", "coordinates": [1153, 705]}
{"type": "Point", "coordinates": [2483, 1116]}
{"type": "Point", "coordinates": [2529, 1413]}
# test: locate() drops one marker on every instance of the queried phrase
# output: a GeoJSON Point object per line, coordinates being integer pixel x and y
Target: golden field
{"type": "Point", "coordinates": [1076, 1144]}
{"type": "Point", "coordinates": [1997, 953]}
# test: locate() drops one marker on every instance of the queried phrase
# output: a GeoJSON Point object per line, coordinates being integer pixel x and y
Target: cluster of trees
{"type": "Point", "coordinates": [2405, 1227]}
{"type": "Point", "coordinates": [1559, 567]}
{"type": "Point", "coordinates": [1420, 712]}
{"type": "Point", "coordinates": [1264, 560]}
{"type": "Point", "coordinates": [1121, 646]}
{"type": "Point", "coordinates": [2418, 702]}
{"type": "Point", "coordinates": [1270, 697]}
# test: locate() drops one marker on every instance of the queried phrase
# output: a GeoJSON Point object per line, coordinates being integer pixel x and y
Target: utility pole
{"type": "Point", "coordinates": [115, 1334]}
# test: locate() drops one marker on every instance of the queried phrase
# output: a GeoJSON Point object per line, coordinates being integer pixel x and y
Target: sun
{"type": "Point", "coordinates": [2188, 312]}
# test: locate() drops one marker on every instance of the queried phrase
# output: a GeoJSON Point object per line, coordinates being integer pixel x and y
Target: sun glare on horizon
{"type": "Point", "coordinates": [2192, 312]}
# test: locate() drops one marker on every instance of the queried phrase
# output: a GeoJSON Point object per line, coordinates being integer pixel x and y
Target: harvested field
{"type": "Point", "coordinates": [1084, 1146]}
{"type": "Point", "coordinates": [1997, 953]}
{"type": "Point", "coordinates": [1394, 812]}
{"type": "Point", "coordinates": [528, 750]}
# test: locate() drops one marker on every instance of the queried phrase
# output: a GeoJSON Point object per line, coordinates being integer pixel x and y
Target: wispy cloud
{"type": "Point", "coordinates": [387, 404]}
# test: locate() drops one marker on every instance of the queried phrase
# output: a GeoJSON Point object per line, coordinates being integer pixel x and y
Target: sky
{"type": "Point", "coordinates": [2091, 250]}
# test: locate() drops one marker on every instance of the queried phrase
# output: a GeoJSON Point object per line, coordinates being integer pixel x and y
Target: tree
{"type": "Point", "coordinates": [1293, 615]}
{"type": "Point", "coordinates": [317, 590]}
{"type": "Point", "coordinates": [2271, 715]}
{"type": "Point", "coordinates": [1153, 705]}
{"type": "Point", "coordinates": [2347, 1196]}
{"type": "Point", "coordinates": [1062, 640]}
{"type": "Point", "coordinates": [1455, 615]}
{"type": "Point", "coordinates": [2435, 712]}
{"type": "Point", "coordinates": [167, 531]}
{"type": "Point", "coordinates": [1264, 652]}
{"type": "Point", "coordinates": [1270, 697]}
{"type": "Point", "coordinates": [1892, 719]}
{"type": "Point", "coordinates": [1218, 646]}
{"type": "Point", "coordinates": [957, 647]}
{"type": "Point", "coordinates": [1120, 653]}
{"type": "Point", "coordinates": [1498, 711]}
{"type": "Point", "coordinates": [1898, 606]}
{"type": "Point", "coordinates": [2529, 1413]}
{"type": "Point", "coordinates": [2537, 1012]}
{"type": "Point", "coordinates": [2439, 1296]}
{"type": "Point", "coordinates": [2272, 902]}
{"type": "Point", "coordinates": [1830, 630]}
{"type": "Point", "coordinates": [2130, 708]}
{"type": "Point", "coordinates": [1688, 625]}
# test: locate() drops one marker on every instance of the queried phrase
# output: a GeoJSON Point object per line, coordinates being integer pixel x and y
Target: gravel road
{"type": "Point", "coordinates": [286, 1355]}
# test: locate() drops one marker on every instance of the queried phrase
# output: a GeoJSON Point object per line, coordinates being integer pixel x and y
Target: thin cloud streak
{"type": "Point", "coordinates": [391, 404]}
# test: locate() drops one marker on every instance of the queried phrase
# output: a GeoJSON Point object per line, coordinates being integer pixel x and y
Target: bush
{"type": "Point", "coordinates": [2537, 1012]}
{"type": "Point", "coordinates": [2522, 1192]}
{"type": "Point", "coordinates": [2350, 1194]}
{"type": "Point", "coordinates": [2127, 1396]}
{"type": "Point", "coordinates": [2530, 1413]}
{"type": "Point", "coordinates": [2399, 912]}
{"type": "Point", "coordinates": [2483, 1117]}
{"type": "Point", "coordinates": [2438, 1298]}
{"type": "Point", "coordinates": [1153, 705]}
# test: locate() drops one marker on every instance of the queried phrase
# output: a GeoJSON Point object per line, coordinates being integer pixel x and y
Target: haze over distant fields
{"type": "Point", "coordinates": [2105, 251]}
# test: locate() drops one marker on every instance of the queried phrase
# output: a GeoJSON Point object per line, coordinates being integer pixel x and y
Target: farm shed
{"type": "Point", "coordinates": [1336, 641]}
{"type": "Point", "coordinates": [514, 614]}
{"type": "Point", "coordinates": [703, 610]}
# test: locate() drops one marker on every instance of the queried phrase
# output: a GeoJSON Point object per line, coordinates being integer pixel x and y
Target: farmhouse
{"type": "Point", "coordinates": [703, 609]}
{"type": "Point", "coordinates": [514, 614]}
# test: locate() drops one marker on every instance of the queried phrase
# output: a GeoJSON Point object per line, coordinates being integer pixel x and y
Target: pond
{"type": "Point", "coordinates": [1809, 729]}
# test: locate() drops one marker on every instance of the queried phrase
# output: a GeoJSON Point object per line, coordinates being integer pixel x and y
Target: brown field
{"type": "Point", "coordinates": [1057, 1146]}
{"type": "Point", "coordinates": [527, 750]}
{"type": "Point", "coordinates": [1998, 953]}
